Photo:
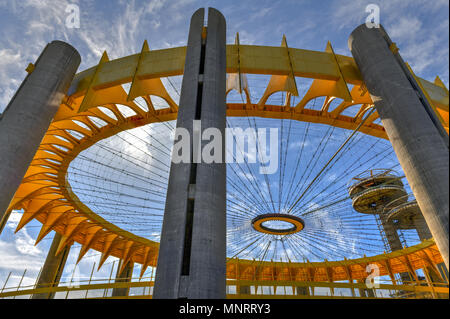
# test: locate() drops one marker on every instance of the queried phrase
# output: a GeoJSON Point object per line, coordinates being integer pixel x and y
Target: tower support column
{"type": "Point", "coordinates": [53, 268]}
{"type": "Point", "coordinates": [417, 139]}
{"type": "Point", "coordinates": [391, 234]}
{"type": "Point", "coordinates": [29, 113]}
{"type": "Point", "coordinates": [244, 290]}
{"type": "Point", "coordinates": [124, 276]}
{"type": "Point", "coordinates": [394, 242]}
{"type": "Point", "coordinates": [302, 291]}
{"type": "Point", "coordinates": [422, 228]}
{"type": "Point", "coordinates": [192, 253]}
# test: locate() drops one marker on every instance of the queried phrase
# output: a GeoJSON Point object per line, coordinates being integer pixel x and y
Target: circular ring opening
{"type": "Point", "coordinates": [277, 224]}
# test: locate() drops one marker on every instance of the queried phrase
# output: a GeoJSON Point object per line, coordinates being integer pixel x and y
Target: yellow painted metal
{"type": "Point", "coordinates": [30, 68]}
{"type": "Point", "coordinates": [281, 83]}
{"type": "Point", "coordinates": [344, 270]}
{"type": "Point", "coordinates": [238, 81]}
{"type": "Point", "coordinates": [341, 83]}
{"type": "Point", "coordinates": [417, 289]}
{"type": "Point", "coordinates": [257, 225]}
{"type": "Point", "coordinates": [92, 99]}
{"type": "Point", "coordinates": [393, 47]}
{"type": "Point", "coordinates": [240, 58]}
{"type": "Point", "coordinates": [154, 86]}
{"type": "Point", "coordinates": [46, 195]}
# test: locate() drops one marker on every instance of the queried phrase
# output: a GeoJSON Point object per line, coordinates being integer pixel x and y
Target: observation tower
{"type": "Point", "coordinates": [370, 194]}
{"type": "Point", "coordinates": [382, 193]}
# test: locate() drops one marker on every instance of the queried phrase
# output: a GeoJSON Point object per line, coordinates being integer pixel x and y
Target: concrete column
{"type": "Point", "coordinates": [394, 242]}
{"type": "Point", "coordinates": [53, 268]}
{"type": "Point", "coordinates": [29, 113]}
{"type": "Point", "coordinates": [244, 290]}
{"type": "Point", "coordinates": [424, 233]}
{"type": "Point", "coordinates": [366, 292]}
{"type": "Point", "coordinates": [124, 276]}
{"type": "Point", "coordinates": [443, 271]}
{"type": "Point", "coordinates": [352, 290]}
{"type": "Point", "coordinates": [415, 136]}
{"type": "Point", "coordinates": [362, 292]}
{"type": "Point", "coordinates": [370, 293]}
{"type": "Point", "coordinates": [192, 254]}
{"type": "Point", "coordinates": [391, 234]}
{"type": "Point", "coordinates": [422, 228]}
{"type": "Point", "coordinates": [302, 291]}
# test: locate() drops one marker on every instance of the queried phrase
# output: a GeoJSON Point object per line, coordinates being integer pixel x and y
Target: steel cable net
{"type": "Point", "coordinates": [124, 179]}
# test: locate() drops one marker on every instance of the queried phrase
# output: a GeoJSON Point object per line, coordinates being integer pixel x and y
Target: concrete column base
{"type": "Point", "coordinates": [125, 276]}
{"type": "Point", "coordinates": [53, 268]}
{"type": "Point", "coordinates": [303, 291]}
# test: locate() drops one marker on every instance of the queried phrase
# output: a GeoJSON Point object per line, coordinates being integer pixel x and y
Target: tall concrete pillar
{"type": "Point", "coordinates": [53, 268]}
{"type": "Point", "coordinates": [192, 254]}
{"type": "Point", "coordinates": [424, 233]}
{"type": "Point", "coordinates": [417, 139]}
{"type": "Point", "coordinates": [29, 113]}
{"type": "Point", "coordinates": [391, 234]}
{"type": "Point", "coordinates": [422, 229]}
{"type": "Point", "coordinates": [394, 242]}
{"type": "Point", "coordinates": [124, 276]}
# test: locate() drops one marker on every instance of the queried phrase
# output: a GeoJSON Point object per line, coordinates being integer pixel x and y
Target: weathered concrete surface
{"type": "Point", "coordinates": [394, 242]}
{"type": "Point", "coordinates": [170, 257]}
{"type": "Point", "coordinates": [208, 255]}
{"type": "Point", "coordinates": [391, 234]}
{"type": "Point", "coordinates": [422, 229]}
{"type": "Point", "coordinates": [420, 148]}
{"type": "Point", "coordinates": [192, 255]}
{"type": "Point", "coordinates": [29, 113]}
{"type": "Point", "coordinates": [53, 268]}
{"type": "Point", "coordinates": [424, 233]}
{"type": "Point", "coordinates": [124, 276]}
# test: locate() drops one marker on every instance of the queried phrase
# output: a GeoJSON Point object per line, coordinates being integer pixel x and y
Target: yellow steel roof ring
{"type": "Point", "coordinates": [45, 193]}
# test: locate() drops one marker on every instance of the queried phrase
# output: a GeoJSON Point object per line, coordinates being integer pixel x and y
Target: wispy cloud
{"type": "Point", "coordinates": [420, 29]}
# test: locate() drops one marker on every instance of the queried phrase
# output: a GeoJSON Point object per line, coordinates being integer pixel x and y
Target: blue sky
{"type": "Point", "coordinates": [419, 27]}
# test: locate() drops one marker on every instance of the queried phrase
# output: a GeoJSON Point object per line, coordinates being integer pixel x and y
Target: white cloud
{"type": "Point", "coordinates": [260, 13]}
{"type": "Point", "coordinates": [405, 27]}
{"type": "Point", "coordinates": [17, 258]}
{"type": "Point", "coordinates": [423, 41]}
{"type": "Point", "coordinates": [9, 60]}
{"type": "Point", "coordinates": [154, 6]}
{"type": "Point", "coordinates": [13, 219]}
{"type": "Point", "coordinates": [24, 243]}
